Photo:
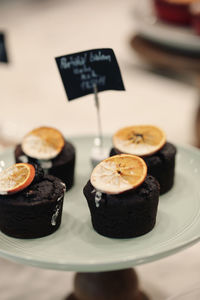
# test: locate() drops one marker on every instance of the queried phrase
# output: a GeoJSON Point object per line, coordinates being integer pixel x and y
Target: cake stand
{"type": "Point", "coordinates": [105, 264]}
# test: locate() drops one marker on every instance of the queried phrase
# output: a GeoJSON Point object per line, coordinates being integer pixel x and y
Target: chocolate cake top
{"type": "Point", "coordinates": [43, 189]}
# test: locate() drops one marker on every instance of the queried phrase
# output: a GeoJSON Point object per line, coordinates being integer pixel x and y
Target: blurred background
{"type": "Point", "coordinates": [160, 64]}
{"type": "Point", "coordinates": [32, 93]}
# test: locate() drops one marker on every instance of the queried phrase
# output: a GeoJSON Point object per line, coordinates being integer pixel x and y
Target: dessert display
{"type": "Point", "coordinates": [122, 198]}
{"type": "Point", "coordinates": [148, 142]}
{"type": "Point", "coordinates": [46, 146]}
{"type": "Point", "coordinates": [30, 202]}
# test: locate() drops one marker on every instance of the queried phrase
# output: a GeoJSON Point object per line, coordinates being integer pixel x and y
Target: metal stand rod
{"type": "Point", "coordinates": [99, 139]}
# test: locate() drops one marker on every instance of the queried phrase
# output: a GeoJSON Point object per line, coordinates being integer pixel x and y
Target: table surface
{"type": "Point", "coordinates": [32, 95]}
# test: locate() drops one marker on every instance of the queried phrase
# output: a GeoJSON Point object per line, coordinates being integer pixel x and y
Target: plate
{"type": "Point", "coordinates": [77, 247]}
{"type": "Point", "coordinates": [148, 26]}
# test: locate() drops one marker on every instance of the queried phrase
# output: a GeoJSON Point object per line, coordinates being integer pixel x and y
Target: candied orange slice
{"type": "Point", "coordinates": [43, 143]}
{"type": "Point", "coordinates": [16, 178]}
{"type": "Point", "coordinates": [139, 140]}
{"type": "Point", "coordinates": [119, 173]}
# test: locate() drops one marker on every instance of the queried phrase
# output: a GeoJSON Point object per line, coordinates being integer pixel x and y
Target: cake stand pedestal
{"type": "Point", "coordinates": [104, 264]}
{"type": "Point", "coordinates": [113, 285]}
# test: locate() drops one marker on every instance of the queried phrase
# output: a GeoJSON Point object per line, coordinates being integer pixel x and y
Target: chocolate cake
{"type": "Point", "coordinates": [161, 165]}
{"type": "Point", "coordinates": [47, 147]}
{"type": "Point", "coordinates": [148, 142]}
{"type": "Point", "coordinates": [35, 211]}
{"type": "Point", "coordinates": [125, 215]}
{"type": "Point", "coordinates": [62, 166]}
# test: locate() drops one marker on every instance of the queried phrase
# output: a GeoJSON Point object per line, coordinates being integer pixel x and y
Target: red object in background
{"type": "Point", "coordinates": [175, 13]}
{"type": "Point", "coordinates": [195, 16]}
{"type": "Point", "coordinates": [196, 23]}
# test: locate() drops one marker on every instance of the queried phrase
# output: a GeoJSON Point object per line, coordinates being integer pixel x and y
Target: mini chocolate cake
{"type": "Point", "coordinates": [149, 143]}
{"type": "Point", "coordinates": [46, 146]}
{"type": "Point", "coordinates": [125, 215]}
{"type": "Point", "coordinates": [35, 211]}
{"type": "Point", "coordinates": [62, 166]}
{"type": "Point", "coordinates": [161, 165]}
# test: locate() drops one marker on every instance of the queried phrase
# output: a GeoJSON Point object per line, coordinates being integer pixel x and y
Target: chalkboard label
{"type": "Point", "coordinates": [3, 53]}
{"type": "Point", "coordinates": [81, 71]}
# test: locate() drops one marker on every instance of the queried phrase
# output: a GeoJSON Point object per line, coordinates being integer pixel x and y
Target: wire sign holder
{"type": "Point", "coordinates": [88, 72]}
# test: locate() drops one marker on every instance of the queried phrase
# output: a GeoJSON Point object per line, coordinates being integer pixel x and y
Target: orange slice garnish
{"type": "Point", "coordinates": [43, 143]}
{"type": "Point", "coordinates": [139, 140]}
{"type": "Point", "coordinates": [119, 173]}
{"type": "Point", "coordinates": [16, 178]}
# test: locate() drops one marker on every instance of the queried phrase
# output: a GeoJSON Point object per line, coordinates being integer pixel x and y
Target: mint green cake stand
{"type": "Point", "coordinates": [104, 265]}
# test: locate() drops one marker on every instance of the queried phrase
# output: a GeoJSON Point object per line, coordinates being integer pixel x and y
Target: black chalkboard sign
{"type": "Point", "coordinates": [82, 71]}
{"type": "Point", "coordinates": [3, 52]}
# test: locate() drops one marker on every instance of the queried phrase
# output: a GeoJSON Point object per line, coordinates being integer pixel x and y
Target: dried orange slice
{"type": "Point", "coordinates": [119, 173]}
{"type": "Point", "coordinates": [43, 143]}
{"type": "Point", "coordinates": [16, 178]}
{"type": "Point", "coordinates": [139, 140]}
